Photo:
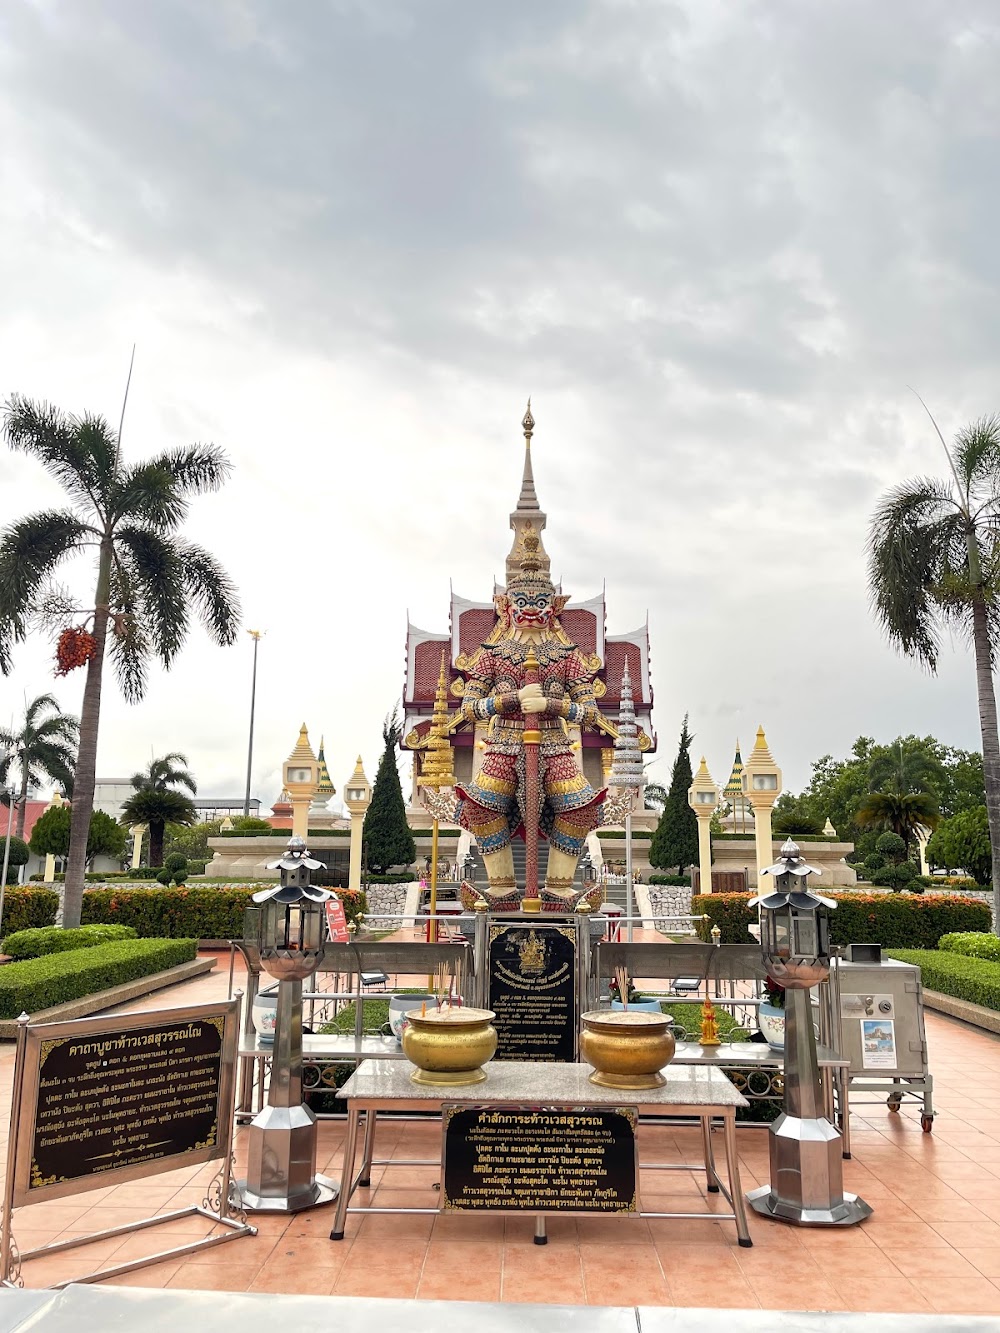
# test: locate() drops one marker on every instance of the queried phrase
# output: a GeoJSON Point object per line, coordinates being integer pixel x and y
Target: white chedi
{"type": "Point", "coordinates": [626, 767]}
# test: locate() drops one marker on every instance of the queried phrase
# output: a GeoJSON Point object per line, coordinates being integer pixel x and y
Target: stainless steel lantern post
{"type": "Point", "coordinates": [290, 927]}
{"type": "Point", "coordinates": [807, 1183]}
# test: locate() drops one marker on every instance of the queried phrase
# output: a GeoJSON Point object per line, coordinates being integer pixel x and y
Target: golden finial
{"type": "Point", "coordinates": [528, 425]}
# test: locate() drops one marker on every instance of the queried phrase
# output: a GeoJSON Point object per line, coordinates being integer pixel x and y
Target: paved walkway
{"type": "Point", "coordinates": [932, 1245]}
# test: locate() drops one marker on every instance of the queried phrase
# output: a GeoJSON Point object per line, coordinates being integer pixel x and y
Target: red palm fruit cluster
{"type": "Point", "coordinates": [75, 649]}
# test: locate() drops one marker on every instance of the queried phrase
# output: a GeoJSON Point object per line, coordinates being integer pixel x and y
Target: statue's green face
{"type": "Point", "coordinates": [531, 609]}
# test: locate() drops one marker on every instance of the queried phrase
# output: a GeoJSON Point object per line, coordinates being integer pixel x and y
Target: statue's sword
{"type": "Point", "coordinates": [532, 741]}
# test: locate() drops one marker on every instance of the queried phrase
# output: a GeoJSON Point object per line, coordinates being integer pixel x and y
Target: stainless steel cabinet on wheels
{"type": "Point", "coordinates": [881, 1007]}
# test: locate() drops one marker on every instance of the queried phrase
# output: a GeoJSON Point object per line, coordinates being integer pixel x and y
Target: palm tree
{"type": "Point", "coordinates": [904, 814]}
{"type": "Point", "coordinates": [45, 746]}
{"type": "Point", "coordinates": [148, 578]}
{"type": "Point", "coordinates": [905, 768]}
{"type": "Point", "coordinates": [157, 802]}
{"type": "Point", "coordinates": [934, 563]}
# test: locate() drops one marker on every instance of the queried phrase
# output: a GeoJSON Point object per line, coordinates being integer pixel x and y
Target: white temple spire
{"type": "Point", "coordinates": [528, 516]}
{"type": "Point", "coordinates": [626, 767]}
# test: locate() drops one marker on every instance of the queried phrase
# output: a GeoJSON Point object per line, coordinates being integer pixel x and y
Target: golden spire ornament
{"type": "Point", "coordinates": [438, 766]}
{"type": "Point", "coordinates": [438, 771]}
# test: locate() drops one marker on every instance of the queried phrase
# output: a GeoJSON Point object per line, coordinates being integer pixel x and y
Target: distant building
{"type": "Point", "coordinates": [110, 795]}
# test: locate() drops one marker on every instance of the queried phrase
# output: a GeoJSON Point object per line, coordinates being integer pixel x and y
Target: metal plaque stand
{"type": "Point", "coordinates": [221, 1205]}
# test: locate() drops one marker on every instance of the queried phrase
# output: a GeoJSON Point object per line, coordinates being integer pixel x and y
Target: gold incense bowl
{"type": "Point", "coordinates": [449, 1045]}
{"type": "Point", "coordinates": [627, 1047]}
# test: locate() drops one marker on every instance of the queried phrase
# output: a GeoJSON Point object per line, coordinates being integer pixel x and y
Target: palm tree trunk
{"type": "Point", "coordinates": [156, 831]}
{"type": "Point", "coordinates": [22, 800]}
{"type": "Point", "coordinates": [991, 743]}
{"type": "Point", "coordinates": [86, 763]}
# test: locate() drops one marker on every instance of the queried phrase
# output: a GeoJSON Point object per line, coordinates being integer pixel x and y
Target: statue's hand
{"type": "Point", "coordinates": [531, 699]}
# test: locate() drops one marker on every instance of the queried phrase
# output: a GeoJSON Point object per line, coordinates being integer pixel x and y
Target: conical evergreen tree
{"type": "Point", "coordinates": [675, 842]}
{"type": "Point", "coordinates": [387, 840]}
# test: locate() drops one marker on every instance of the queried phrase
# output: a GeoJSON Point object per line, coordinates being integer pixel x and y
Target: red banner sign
{"type": "Point", "coordinates": [336, 921]}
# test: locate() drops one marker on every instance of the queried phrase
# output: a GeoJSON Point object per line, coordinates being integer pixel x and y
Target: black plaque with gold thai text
{"type": "Point", "coordinates": [532, 970]}
{"type": "Point", "coordinates": [539, 1159]}
{"type": "Point", "coordinates": [144, 1095]}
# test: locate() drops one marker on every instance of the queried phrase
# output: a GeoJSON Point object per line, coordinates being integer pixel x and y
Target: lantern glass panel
{"type": "Point", "coordinates": [705, 797]}
{"type": "Point", "coordinates": [806, 938]}
{"type": "Point", "coordinates": [782, 934]}
{"type": "Point", "coordinates": [765, 782]}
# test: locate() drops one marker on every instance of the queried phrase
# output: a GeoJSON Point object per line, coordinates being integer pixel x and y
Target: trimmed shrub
{"type": "Point", "coordinates": [54, 939]}
{"type": "Point", "coordinates": [198, 913]}
{"type": "Point", "coordinates": [180, 877]}
{"type": "Point", "coordinates": [175, 861]}
{"type": "Point", "coordinates": [17, 856]}
{"type": "Point", "coordinates": [973, 979]}
{"type": "Point", "coordinates": [894, 921]}
{"type": "Point", "coordinates": [891, 845]}
{"type": "Point", "coordinates": [24, 908]}
{"type": "Point", "coordinates": [973, 944]}
{"type": "Point", "coordinates": [901, 876]}
{"type": "Point", "coordinates": [163, 877]}
{"type": "Point", "coordinates": [874, 862]}
{"type": "Point", "coordinates": [38, 983]}
{"type": "Point", "coordinates": [401, 877]}
{"type": "Point", "coordinates": [678, 881]}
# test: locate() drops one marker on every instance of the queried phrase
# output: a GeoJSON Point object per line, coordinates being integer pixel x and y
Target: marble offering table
{"type": "Point", "coordinates": [703, 1093]}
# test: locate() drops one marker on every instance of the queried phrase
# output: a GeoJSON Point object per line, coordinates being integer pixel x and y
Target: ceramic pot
{"type": "Point", "coordinates": [638, 1006]}
{"type": "Point", "coordinates": [265, 1014]}
{"type": "Point", "coordinates": [627, 1047]}
{"type": "Point", "coordinates": [771, 1021]}
{"type": "Point", "coordinates": [450, 1045]}
{"type": "Point", "coordinates": [399, 1007]}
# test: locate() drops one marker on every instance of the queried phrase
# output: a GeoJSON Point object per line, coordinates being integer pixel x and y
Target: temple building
{"type": "Point", "coordinates": [471, 623]}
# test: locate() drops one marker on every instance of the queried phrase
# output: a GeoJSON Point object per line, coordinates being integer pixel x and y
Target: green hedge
{"type": "Point", "coordinates": [896, 921]}
{"type": "Point", "coordinates": [27, 907]}
{"type": "Point", "coordinates": [973, 944]}
{"type": "Point", "coordinates": [973, 979]}
{"type": "Point", "coordinates": [54, 939]}
{"type": "Point", "coordinates": [678, 881]}
{"type": "Point", "coordinates": [637, 834]}
{"type": "Point", "coordinates": [199, 913]}
{"type": "Point", "coordinates": [40, 982]}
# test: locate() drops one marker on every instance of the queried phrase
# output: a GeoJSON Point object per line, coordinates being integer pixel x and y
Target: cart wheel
{"type": "Point", "coordinates": [894, 1103]}
{"type": "Point", "coordinates": [927, 1123]}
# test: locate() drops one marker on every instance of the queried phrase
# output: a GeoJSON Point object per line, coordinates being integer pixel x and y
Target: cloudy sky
{"type": "Point", "coordinates": [714, 241]}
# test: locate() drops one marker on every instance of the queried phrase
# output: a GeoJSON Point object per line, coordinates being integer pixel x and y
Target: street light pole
{"type": "Point", "coordinates": [256, 635]}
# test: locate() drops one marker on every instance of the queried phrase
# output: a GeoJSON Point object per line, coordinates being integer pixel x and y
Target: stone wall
{"type": "Point", "coordinates": [669, 900]}
{"type": "Point", "coordinates": [386, 899]}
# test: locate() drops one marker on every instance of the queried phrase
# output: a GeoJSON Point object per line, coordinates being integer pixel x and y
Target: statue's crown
{"type": "Point", "coordinates": [530, 576]}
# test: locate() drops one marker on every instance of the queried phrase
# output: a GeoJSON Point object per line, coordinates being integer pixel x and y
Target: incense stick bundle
{"type": "Point", "coordinates": [622, 982]}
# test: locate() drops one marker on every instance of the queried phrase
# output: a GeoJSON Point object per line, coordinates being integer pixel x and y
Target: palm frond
{"type": "Point", "coordinates": [977, 455]}
{"type": "Point", "coordinates": [29, 550]}
{"type": "Point", "coordinates": [147, 495]}
{"type": "Point", "coordinates": [155, 572]}
{"type": "Point", "coordinates": [129, 644]}
{"type": "Point", "coordinates": [212, 592]}
{"type": "Point", "coordinates": [912, 524]}
{"type": "Point", "coordinates": [78, 452]}
{"type": "Point", "coordinates": [195, 469]}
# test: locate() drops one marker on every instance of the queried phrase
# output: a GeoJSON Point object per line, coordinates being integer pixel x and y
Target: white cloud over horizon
{"type": "Point", "coordinates": [715, 242]}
